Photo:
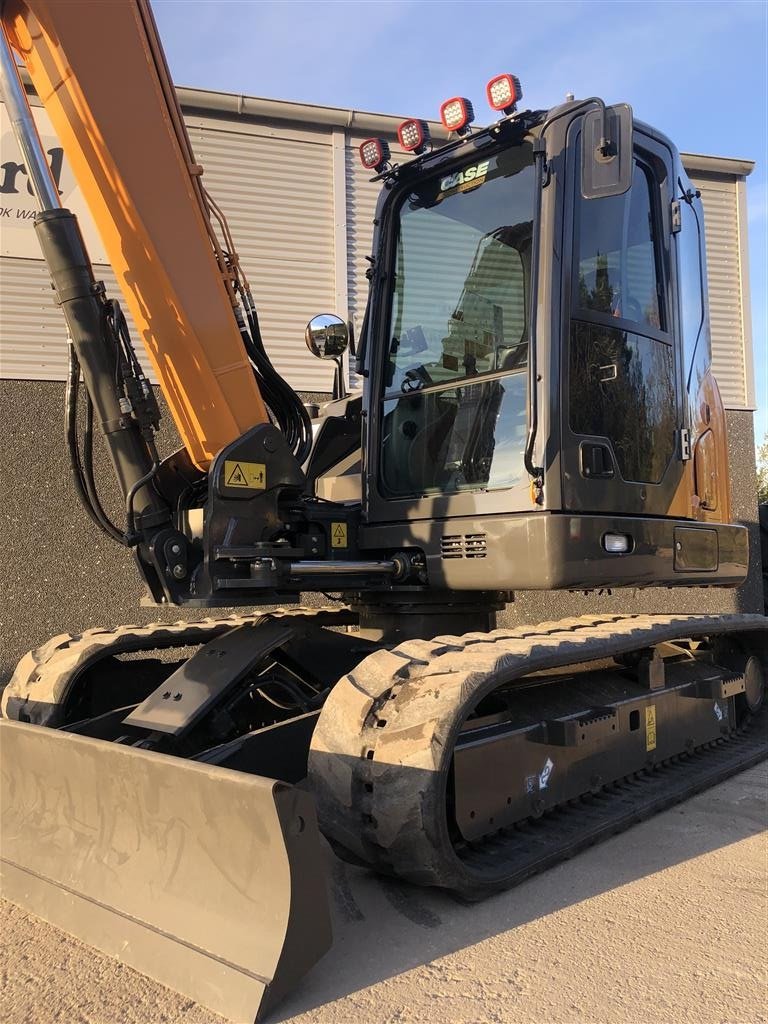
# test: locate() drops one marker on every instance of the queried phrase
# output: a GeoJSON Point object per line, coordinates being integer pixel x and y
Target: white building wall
{"type": "Point", "coordinates": [275, 188]}
{"type": "Point", "coordinates": [728, 287]}
{"type": "Point", "coordinates": [301, 210]}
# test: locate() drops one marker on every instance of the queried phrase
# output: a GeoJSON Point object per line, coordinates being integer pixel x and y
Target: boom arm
{"type": "Point", "coordinates": [235, 529]}
{"type": "Point", "coordinates": [101, 74]}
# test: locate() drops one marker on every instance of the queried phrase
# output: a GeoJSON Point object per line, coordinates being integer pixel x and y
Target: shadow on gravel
{"type": "Point", "coordinates": [383, 928]}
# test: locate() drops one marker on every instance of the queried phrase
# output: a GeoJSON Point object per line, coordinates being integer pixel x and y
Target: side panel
{"type": "Point", "coordinates": [148, 212]}
{"type": "Point", "coordinates": [708, 472]}
{"type": "Point", "coordinates": [542, 551]}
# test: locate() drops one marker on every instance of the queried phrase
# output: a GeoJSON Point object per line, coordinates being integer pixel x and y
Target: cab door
{"type": "Point", "coordinates": [621, 407]}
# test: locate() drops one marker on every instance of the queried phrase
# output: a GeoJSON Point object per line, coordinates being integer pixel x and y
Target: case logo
{"type": "Point", "coordinates": [474, 175]}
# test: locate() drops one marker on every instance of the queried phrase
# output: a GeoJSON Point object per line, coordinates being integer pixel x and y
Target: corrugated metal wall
{"type": "Point", "coordinates": [724, 278]}
{"type": "Point", "coordinates": [33, 334]}
{"type": "Point", "coordinates": [275, 188]}
{"type": "Point", "coordinates": [276, 185]}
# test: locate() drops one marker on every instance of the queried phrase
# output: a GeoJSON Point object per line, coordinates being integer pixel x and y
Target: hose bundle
{"type": "Point", "coordinates": [137, 399]}
{"type": "Point", "coordinates": [285, 406]}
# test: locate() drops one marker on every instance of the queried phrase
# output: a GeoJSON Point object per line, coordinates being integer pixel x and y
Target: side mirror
{"type": "Point", "coordinates": [606, 152]}
{"type": "Point", "coordinates": [327, 336]}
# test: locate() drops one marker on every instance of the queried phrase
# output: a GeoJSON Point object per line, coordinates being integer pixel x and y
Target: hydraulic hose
{"type": "Point", "coordinates": [82, 468]}
{"type": "Point", "coordinates": [283, 402]}
{"type": "Point", "coordinates": [98, 355]}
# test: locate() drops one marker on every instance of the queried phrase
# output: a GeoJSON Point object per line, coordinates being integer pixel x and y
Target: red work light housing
{"type": "Point", "coordinates": [503, 92]}
{"type": "Point", "coordinates": [374, 154]}
{"type": "Point", "coordinates": [413, 135]}
{"type": "Point", "coordinates": [457, 115]}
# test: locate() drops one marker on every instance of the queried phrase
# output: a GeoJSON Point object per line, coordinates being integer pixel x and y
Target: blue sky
{"type": "Point", "coordinates": [695, 70]}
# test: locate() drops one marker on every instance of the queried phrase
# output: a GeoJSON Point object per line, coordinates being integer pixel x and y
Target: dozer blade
{"type": "Point", "coordinates": [209, 880]}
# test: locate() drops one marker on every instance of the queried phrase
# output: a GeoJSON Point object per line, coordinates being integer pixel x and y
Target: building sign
{"type": "Point", "coordinates": [18, 205]}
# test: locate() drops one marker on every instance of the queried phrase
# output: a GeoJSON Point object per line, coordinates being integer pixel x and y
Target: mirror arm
{"type": "Point", "coordinates": [605, 145]}
{"type": "Point", "coordinates": [591, 101]}
{"type": "Point", "coordinates": [352, 346]}
{"type": "Point", "coordinates": [339, 381]}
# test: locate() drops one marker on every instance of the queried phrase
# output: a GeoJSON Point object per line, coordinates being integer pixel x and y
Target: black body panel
{"type": "Point", "coordinates": [544, 551]}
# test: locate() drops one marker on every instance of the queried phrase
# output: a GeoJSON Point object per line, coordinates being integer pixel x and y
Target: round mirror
{"type": "Point", "coordinates": [327, 336]}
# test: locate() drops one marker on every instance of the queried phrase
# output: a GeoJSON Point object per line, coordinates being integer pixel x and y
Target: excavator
{"type": "Point", "coordinates": [538, 412]}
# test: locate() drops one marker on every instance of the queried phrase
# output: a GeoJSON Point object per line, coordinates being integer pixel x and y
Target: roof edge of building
{"type": "Point", "coordinates": [240, 105]}
{"type": "Point", "coordinates": [717, 164]}
{"type": "Point", "coordinates": [289, 110]}
{"type": "Point", "coordinates": [369, 121]}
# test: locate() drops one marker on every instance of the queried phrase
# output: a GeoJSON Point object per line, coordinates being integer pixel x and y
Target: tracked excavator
{"type": "Point", "coordinates": [538, 411]}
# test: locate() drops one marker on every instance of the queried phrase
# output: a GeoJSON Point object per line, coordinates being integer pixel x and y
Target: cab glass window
{"type": "Point", "coordinates": [621, 360]}
{"type": "Point", "coordinates": [462, 271]}
{"type": "Point", "coordinates": [617, 263]}
{"type": "Point", "coordinates": [695, 347]}
{"type": "Point", "coordinates": [455, 382]}
{"type": "Point", "coordinates": [462, 437]}
{"type": "Point", "coordinates": [622, 388]}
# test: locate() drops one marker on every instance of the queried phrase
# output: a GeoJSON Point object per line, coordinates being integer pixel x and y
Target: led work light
{"type": "Point", "coordinates": [374, 154]}
{"type": "Point", "coordinates": [457, 115]}
{"type": "Point", "coordinates": [617, 543]}
{"type": "Point", "coordinates": [413, 135]}
{"type": "Point", "coordinates": [503, 92]}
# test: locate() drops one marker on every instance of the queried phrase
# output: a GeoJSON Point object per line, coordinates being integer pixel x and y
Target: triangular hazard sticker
{"type": "Point", "coordinates": [338, 535]}
{"type": "Point", "coordinates": [236, 478]}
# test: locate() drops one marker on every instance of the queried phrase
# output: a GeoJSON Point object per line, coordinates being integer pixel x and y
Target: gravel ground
{"type": "Point", "coordinates": [666, 923]}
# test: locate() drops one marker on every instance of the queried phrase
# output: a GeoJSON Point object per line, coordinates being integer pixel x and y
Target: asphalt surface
{"type": "Point", "coordinates": [664, 924]}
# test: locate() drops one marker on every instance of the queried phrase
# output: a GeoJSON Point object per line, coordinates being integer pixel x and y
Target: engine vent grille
{"type": "Point", "coordinates": [452, 546]}
{"type": "Point", "coordinates": [467, 545]}
{"type": "Point", "coordinates": [474, 545]}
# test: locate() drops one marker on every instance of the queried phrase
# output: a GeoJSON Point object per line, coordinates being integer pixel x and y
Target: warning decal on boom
{"type": "Point", "coordinates": [338, 535]}
{"type": "Point", "coordinates": [249, 475]}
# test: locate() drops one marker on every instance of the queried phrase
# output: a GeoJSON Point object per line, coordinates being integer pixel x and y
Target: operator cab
{"type": "Point", "coordinates": [540, 407]}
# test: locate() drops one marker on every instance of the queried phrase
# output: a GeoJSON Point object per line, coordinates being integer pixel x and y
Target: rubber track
{"type": "Point", "coordinates": [537, 845]}
{"type": "Point", "coordinates": [44, 677]}
{"type": "Point", "coordinates": [382, 749]}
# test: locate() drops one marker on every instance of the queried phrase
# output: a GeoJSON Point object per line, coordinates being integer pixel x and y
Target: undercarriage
{"type": "Point", "coordinates": [426, 757]}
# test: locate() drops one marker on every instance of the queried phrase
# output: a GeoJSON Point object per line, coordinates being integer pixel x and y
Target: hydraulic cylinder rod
{"type": "Point", "coordinates": [305, 570]}
{"type": "Point", "coordinates": [83, 308]}
{"type": "Point", "coordinates": [25, 130]}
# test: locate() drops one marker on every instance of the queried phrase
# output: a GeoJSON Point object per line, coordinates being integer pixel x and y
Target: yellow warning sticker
{"type": "Point", "coordinates": [338, 535]}
{"type": "Point", "coordinates": [650, 727]}
{"type": "Point", "coordinates": [251, 476]}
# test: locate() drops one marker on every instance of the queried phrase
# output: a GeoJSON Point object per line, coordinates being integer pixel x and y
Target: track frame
{"type": "Point", "coordinates": [382, 753]}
